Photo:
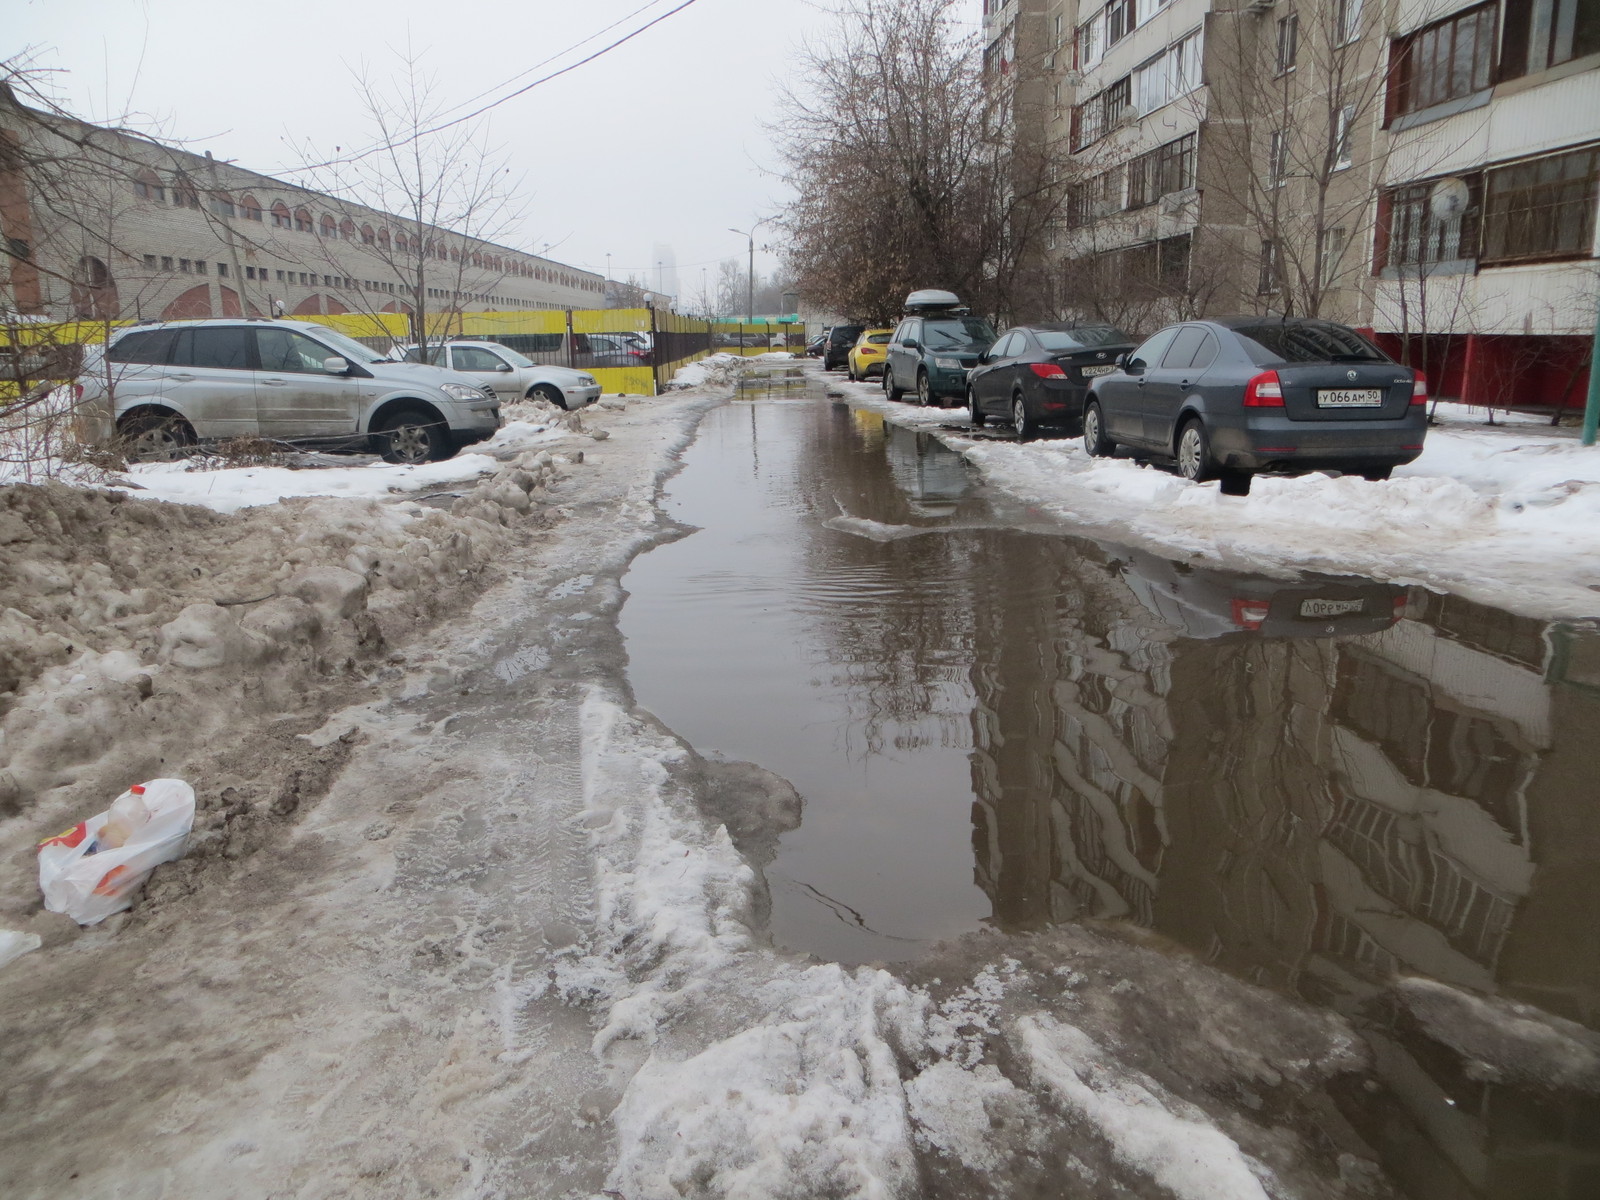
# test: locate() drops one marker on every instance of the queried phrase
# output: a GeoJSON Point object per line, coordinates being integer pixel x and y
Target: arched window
{"type": "Point", "coordinates": [222, 204]}
{"type": "Point", "coordinates": [329, 229]}
{"type": "Point", "coordinates": [402, 243]}
{"type": "Point", "coordinates": [455, 255]}
{"type": "Point", "coordinates": [302, 221]}
{"type": "Point", "coordinates": [147, 186]}
{"type": "Point", "coordinates": [368, 238]}
{"type": "Point", "coordinates": [383, 239]}
{"type": "Point", "coordinates": [94, 295]}
{"type": "Point", "coordinates": [280, 216]}
{"type": "Point", "coordinates": [184, 194]}
{"type": "Point", "coordinates": [250, 208]}
{"type": "Point", "coordinates": [347, 229]}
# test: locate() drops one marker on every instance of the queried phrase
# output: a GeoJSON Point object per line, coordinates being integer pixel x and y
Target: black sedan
{"type": "Point", "coordinates": [1231, 397]}
{"type": "Point", "coordinates": [1037, 375]}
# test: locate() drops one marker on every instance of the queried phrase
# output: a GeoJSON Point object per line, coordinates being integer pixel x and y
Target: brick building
{"type": "Point", "coordinates": [99, 223]}
{"type": "Point", "coordinates": [1426, 169]}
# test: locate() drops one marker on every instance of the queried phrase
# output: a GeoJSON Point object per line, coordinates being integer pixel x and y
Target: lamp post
{"type": "Point", "coordinates": [750, 279]}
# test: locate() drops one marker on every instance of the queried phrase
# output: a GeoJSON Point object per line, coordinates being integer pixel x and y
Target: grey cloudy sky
{"type": "Point", "coordinates": [661, 141]}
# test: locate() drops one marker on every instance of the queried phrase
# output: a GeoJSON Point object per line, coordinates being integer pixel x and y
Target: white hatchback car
{"type": "Point", "coordinates": [511, 376]}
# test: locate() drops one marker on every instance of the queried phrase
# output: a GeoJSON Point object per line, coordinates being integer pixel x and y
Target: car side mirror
{"type": "Point", "coordinates": [505, 366]}
{"type": "Point", "coordinates": [983, 357]}
{"type": "Point", "coordinates": [335, 365]}
{"type": "Point", "coordinates": [911, 344]}
{"type": "Point", "coordinates": [1133, 366]}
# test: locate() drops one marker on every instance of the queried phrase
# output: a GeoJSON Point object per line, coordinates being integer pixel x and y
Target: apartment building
{"type": "Point", "coordinates": [101, 224]}
{"type": "Point", "coordinates": [1425, 169]}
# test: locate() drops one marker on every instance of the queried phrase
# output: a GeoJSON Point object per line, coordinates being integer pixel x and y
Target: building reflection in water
{"type": "Point", "coordinates": [1318, 786]}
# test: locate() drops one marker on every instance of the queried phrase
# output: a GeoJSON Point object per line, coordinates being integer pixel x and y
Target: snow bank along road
{"type": "Point", "coordinates": [1506, 515]}
{"type": "Point", "coordinates": [456, 921]}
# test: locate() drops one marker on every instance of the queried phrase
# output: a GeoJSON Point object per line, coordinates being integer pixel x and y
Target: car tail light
{"type": "Point", "coordinates": [1264, 391]}
{"type": "Point", "coordinates": [1249, 614]}
{"type": "Point", "coordinates": [77, 392]}
{"type": "Point", "coordinates": [1400, 606]}
{"type": "Point", "coordinates": [1046, 370]}
{"type": "Point", "coordinates": [1419, 389]}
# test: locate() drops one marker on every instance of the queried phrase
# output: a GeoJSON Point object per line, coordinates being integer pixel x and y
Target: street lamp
{"type": "Point", "coordinates": [750, 280]}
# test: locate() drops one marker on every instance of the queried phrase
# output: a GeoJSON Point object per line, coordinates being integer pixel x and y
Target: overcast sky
{"type": "Point", "coordinates": [659, 142]}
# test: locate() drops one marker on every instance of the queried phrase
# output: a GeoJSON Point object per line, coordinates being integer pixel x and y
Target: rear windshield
{"type": "Point", "coordinates": [957, 331]}
{"type": "Point", "coordinates": [847, 332]}
{"type": "Point", "coordinates": [1084, 337]}
{"type": "Point", "coordinates": [1298, 343]}
{"type": "Point", "coordinates": [879, 339]}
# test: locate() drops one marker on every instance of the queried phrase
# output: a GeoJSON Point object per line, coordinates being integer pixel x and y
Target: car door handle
{"type": "Point", "coordinates": [1141, 381]}
{"type": "Point", "coordinates": [182, 378]}
{"type": "Point", "coordinates": [275, 382]}
{"type": "Point", "coordinates": [1183, 383]}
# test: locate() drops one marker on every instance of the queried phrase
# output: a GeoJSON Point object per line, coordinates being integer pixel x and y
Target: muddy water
{"type": "Point", "coordinates": [1317, 784]}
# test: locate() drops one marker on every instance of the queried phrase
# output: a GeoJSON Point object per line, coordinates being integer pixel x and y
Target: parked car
{"type": "Point", "coordinates": [1038, 375]}
{"type": "Point", "coordinates": [509, 375]}
{"type": "Point", "coordinates": [836, 351]}
{"type": "Point", "coordinates": [933, 348]}
{"type": "Point", "coordinates": [614, 350]}
{"type": "Point", "coordinates": [866, 357]}
{"type": "Point", "coordinates": [1233, 397]}
{"type": "Point", "coordinates": [162, 387]}
{"type": "Point", "coordinates": [815, 345]}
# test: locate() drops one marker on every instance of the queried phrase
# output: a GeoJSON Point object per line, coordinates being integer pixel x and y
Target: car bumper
{"type": "Point", "coordinates": [474, 422]}
{"type": "Point", "coordinates": [579, 397]}
{"type": "Point", "coordinates": [1282, 444]}
{"type": "Point", "coordinates": [870, 368]}
{"type": "Point", "coordinates": [1061, 402]}
{"type": "Point", "coordinates": [945, 382]}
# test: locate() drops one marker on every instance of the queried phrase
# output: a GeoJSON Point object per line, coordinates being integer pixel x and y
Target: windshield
{"type": "Point", "coordinates": [1298, 343]}
{"type": "Point", "coordinates": [879, 339]}
{"type": "Point", "coordinates": [957, 333]}
{"type": "Point", "coordinates": [349, 347]}
{"type": "Point", "coordinates": [1081, 338]}
{"type": "Point", "coordinates": [515, 359]}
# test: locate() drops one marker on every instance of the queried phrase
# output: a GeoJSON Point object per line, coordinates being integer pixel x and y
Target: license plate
{"type": "Point", "coordinates": [1350, 398]}
{"type": "Point", "coordinates": [1330, 608]}
{"type": "Point", "coordinates": [1091, 372]}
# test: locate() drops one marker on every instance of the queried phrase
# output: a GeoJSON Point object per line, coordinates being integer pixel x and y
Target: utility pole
{"type": "Point", "coordinates": [1591, 409]}
{"type": "Point", "coordinates": [750, 280]}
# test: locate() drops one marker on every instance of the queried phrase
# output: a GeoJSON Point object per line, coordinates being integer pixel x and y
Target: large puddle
{"type": "Point", "coordinates": [1315, 784]}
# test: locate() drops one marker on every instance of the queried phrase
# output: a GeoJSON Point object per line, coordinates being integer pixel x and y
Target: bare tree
{"type": "Point", "coordinates": [905, 169]}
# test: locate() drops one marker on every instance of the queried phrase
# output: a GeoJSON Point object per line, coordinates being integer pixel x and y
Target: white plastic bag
{"type": "Point", "coordinates": [93, 869]}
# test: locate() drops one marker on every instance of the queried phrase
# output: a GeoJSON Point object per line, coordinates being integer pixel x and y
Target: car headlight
{"type": "Point", "coordinates": [948, 364]}
{"type": "Point", "coordinates": [586, 380]}
{"type": "Point", "coordinates": [460, 391]}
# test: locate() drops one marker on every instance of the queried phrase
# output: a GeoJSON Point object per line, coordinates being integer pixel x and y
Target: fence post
{"type": "Point", "coordinates": [657, 351]}
{"type": "Point", "coordinates": [572, 343]}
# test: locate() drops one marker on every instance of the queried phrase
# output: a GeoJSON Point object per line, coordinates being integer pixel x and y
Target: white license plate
{"type": "Point", "coordinates": [1350, 398]}
{"type": "Point", "coordinates": [1330, 608]}
{"type": "Point", "coordinates": [1091, 372]}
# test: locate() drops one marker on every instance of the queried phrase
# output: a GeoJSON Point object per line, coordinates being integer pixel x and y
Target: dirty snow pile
{"type": "Point", "coordinates": [715, 371]}
{"type": "Point", "coordinates": [134, 633]}
{"type": "Point", "coordinates": [1507, 515]}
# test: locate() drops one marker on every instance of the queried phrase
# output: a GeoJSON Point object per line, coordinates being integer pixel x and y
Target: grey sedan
{"type": "Point", "coordinates": [1232, 397]}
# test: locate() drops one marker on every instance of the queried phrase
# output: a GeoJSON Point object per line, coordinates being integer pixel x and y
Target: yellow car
{"type": "Point", "coordinates": [866, 356]}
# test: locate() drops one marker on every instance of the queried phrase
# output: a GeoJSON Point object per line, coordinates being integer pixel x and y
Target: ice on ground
{"type": "Point", "coordinates": [14, 944]}
{"type": "Point", "coordinates": [1503, 1041]}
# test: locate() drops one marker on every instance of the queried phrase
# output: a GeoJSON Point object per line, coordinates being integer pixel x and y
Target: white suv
{"type": "Point", "coordinates": [161, 387]}
{"type": "Point", "coordinates": [510, 375]}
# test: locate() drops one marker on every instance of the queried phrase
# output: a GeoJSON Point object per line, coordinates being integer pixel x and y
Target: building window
{"type": "Point", "coordinates": [148, 187]}
{"type": "Point", "coordinates": [1540, 34]}
{"type": "Point", "coordinates": [280, 277]}
{"type": "Point", "coordinates": [184, 195]}
{"type": "Point", "coordinates": [1288, 41]}
{"type": "Point", "coordinates": [1172, 263]}
{"type": "Point", "coordinates": [1278, 157]}
{"type": "Point", "coordinates": [1446, 61]}
{"type": "Point", "coordinates": [302, 221]}
{"type": "Point", "coordinates": [1541, 209]}
{"type": "Point", "coordinates": [1346, 21]}
{"type": "Point", "coordinates": [250, 209]}
{"type": "Point", "coordinates": [1119, 20]}
{"type": "Point", "coordinates": [183, 265]}
{"type": "Point", "coordinates": [1331, 259]}
{"type": "Point", "coordinates": [222, 204]}
{"type": "Point", "coordinates": [280, 216]}
{"type": "Point", "coordinates": [1343, 121]}
{"type": "Point", "coordinates": [328, 228]}
{"type": "Point", "coordinates": [1414, 236]}
{"type": "Point", "coordinates": [166, 262]}
{"type": "Point", "coordinates": [222, 268]}
{"type": "Point", "coordinates": [1267, 282]}
{"type": "Point", "coordinates": [150, 261]}
{"type": "Point", "coordinates": [347, 229]}
{"type": "Point", "coordinates": [1166, 169]}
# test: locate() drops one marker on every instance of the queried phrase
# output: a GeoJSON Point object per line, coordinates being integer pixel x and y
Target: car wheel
{"type": "Point", "coordinates": [925, 396]}
{"type": "Point", "coordinates": [1095, 442]}
{"type": "Point", "coordinates": [549, 392]}
{"type": "Point", "coordinates": [890, 392]}
{"type": "Point", "coordinates": [1194, 453]}
{"type": "Point", "coordinates": [1377, 474]}
{"type": "Point", "coordinates": [977, 412]}
{"type": "Point", "coordinates": [1027, 428]}
{"type": "Point", "coordinates": [411, 437]}
{"type": "Point", "coordinates": [851, 371]}
{"type": "Point", "coordinates": [155, 437]}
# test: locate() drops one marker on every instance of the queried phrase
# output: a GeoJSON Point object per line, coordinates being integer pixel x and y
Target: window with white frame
{"type": "Point", "coordinates": [1278, 157]}
{"type": "Point", "coordinates": [1346, 21]}
{"type": "Point", "coordinates": [1183, 62]}
{"type": "Point", "coordinates": [1331, 259]}
{"type": "Point", "coordinates": [1088, 44]}
{"type": "Point", "coordinates": [1150, 82]}
{"type": "Point", "coordinates": [1343, 120]}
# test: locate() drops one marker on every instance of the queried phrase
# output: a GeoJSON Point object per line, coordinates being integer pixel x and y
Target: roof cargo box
{"type": "Point", "coordinates": [934, 300]}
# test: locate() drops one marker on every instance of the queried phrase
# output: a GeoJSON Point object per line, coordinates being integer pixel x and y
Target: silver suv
{"type": "Point", "coordinates": [510, 375]}
{"type": "Point", "coordinates": [162, 387]}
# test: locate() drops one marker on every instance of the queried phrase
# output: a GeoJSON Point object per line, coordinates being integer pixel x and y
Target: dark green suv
{"type": "Point", "coordinates": [934, 348]}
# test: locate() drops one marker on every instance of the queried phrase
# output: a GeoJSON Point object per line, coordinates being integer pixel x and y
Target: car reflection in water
{"type": "Point", "coordinates": [932, 476]}
{"type": "Point", "coordinates": [1205, 603]}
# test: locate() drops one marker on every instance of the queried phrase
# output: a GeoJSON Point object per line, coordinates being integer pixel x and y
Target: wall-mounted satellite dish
{"type": "Point", "coordinates": [1449, 198]}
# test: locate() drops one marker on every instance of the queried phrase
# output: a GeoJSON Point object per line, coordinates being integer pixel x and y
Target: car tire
{"type": "Point", "coordinates": [850, 370]}
{"type": "Point", "coordinates": [1095, 442]}
{"type": "Point", "coordinates": [890, 391]}
{"type": "Point", "coordinates": [155, 437]}
{"type": "Point", "coordinates": [1377, 474]}
{"type": "Point", "coordinates": [925, 396]}
{"type": "Point", "coordinates": [547, 391]}
{"type": "Point", "coordinates": [1027, 428]}
{"type": "Point", "coordinates": [410, 437]}
{"type": "Point", "coordinates": [1195, 460]}
{"type": "Point", "coordinates": [978, 418]}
